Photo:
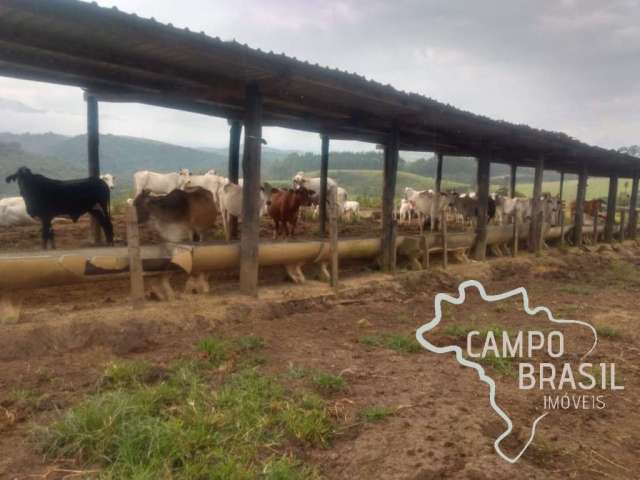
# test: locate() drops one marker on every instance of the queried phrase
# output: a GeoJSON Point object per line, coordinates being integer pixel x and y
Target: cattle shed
{"type": "Point", "coordinates": [120, 57]}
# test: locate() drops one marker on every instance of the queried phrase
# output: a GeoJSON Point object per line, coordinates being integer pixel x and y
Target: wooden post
{"type": "Point", "coordinates": [424, 246]}
{"type": "Point", "coordinates": [234, 167]}
{"type": "Point", "coordinates": [250, 232]}
{"type": "Point", "coordinates": [388, 196]}
{"type": "Point", "coordinates": [516, 236]}
{"type": "Point", "coordinates": [536, 208]}
{"type": "Point", "coordinates": [484, 168]}
{"type": "Point", "coordinates": [540, 239]}
{"type": "Point", "coordinates": [93, 154]}
{"type": "Point", "coordinates": [324, 173]}
{"type": "Point", "coordinates": [561, 212]}
{"type": "Point", "coordinates": [333, 234]}
{"type": "Point", "coordinates": [512, 180]}
{"type": "Point", "coordinates": [135, 261]}
{"type": "Point", "coordinates": [578, 221]}
{"type": "Point", "coordinates": [595, 225]}
{"type": "Point", "coordinates": [623, 214]}
{"type": "Point", "coordinates": [445, 240]}
{"type": "Point", "coordinates": [611, 208]}
{"type": "Point", "coordinates": [435, 207]}
{"type": "Point", "coordinates": [438, 182]}
{"type": "Point", "coordinates": [633, 212]}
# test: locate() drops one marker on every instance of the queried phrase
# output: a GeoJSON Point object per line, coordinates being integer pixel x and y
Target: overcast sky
{"type": "Point", "coordinates": [568, 65]}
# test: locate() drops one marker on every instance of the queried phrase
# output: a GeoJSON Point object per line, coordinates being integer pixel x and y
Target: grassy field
{"type": "Point", "coordinates": [368, 184]}
{"type": "Point", "coordinates": [596, 188]}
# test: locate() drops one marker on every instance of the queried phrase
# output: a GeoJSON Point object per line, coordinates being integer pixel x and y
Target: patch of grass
{"type": "Point", "coordinates": [328, 383]}
{"type": "Point", "coordinates": [607, 331]}
{"type": "Point", "coordinates": [402, 343]}
{"type": "Point", "coordinates": [375, 413]}
{"type": "Point", "coordinates": [458, 331]}
{"type": "Point", "coordinates": [398, 342]}
{"type": "Point", "coordinates": [183, 428]}
{"type": "Point", "coordinates": [23, 398]}
{"type": "Point", "coordinates": [123, 374]}
{"type": "Point", "coordinates": [370, 341]}
{"type": "Point", "coordinates": [297, 372]}
{"type": "Point", "coordinates": [216, 350]}
{"type": "Point", "coordinates": [575, 289]}
{"type": "Point", "coordinates": [285, 468]}
{"type": "Point", "coordinates": [248, 343]}
{"type": "Point", "coordinates": [502, 365]}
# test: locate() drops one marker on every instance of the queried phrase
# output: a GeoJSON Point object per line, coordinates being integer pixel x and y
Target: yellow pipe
{"type": "Point", "coordinates": [53, 268]}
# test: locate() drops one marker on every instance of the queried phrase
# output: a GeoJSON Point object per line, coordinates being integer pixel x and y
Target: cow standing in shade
{"type": "Point", "coordinates": [46, 198]}
{"type": "Point", "coordinates": [284, 208]}
{"type": "Point", "coordinates": [181, 215]}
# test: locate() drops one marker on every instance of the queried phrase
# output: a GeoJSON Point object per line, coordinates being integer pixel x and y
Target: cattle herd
{"type": "Point", "coordinates": [428, 208]}
{"type": "Point", "coordinates": [181, 206]}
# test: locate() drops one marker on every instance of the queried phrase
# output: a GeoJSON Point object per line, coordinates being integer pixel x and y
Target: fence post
{"type": "Point", "coordinates": [445, 240]}
{"type": "Point", "coordinates": [516, 240]}
{"type": "Point", "coordinates": [595, 226]}
{"type": "Point", "coordinates": [424, 246]}
{"type": "Point", "coordinates": [622, 219]}
{"type": "Point", "coordinates": [333, 234]}
{"type": "Point", "coordinates": [135, 261]}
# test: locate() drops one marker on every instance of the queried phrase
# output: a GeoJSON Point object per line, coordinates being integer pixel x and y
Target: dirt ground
{"type": "Point", "coordinates": [442, 425]}
{"type": "Point", "coordinates": [76, 235]}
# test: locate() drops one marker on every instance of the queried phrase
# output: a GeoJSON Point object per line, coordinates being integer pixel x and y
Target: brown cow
{"type": "Point", "coordinates": [284, 208]}
{"type": "Point", "coordinates": [180, 215]}
{"type": "Point", "coordinates": [591, 208]}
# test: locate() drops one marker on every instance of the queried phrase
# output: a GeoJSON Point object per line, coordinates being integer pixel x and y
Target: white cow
{"type": "Point", "coordinates": [351, 209]}
{"type": "Point", "coordinates": [430, 206]}
{"type": "Point", "coordinates": [507, 207]}
{"type": "Point", "coordinates": [159, 183]}
{"type": "Point", "coordinates": [109, 179]}
{"type": "Point", "coordinates": [209, 181]}
{"type": "Point", "coordinates": [550, 208]}
{"type": "Point", "coordinates": [13, 212]}
{"type": "Point", "coordinates": [313, 183]}
{"type": "Point", "coordinates": [231, 205]}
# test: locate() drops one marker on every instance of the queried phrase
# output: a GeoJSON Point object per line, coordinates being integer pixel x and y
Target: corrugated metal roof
{"type": "Point", "coordinates": [123, 57]}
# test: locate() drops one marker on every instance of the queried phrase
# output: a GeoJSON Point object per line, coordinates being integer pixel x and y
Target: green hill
{"type": "Point", "coordinates": [596, 188]}
{"type": "Point", "coordinates": [13, 156]}
{"type": "Point", "coordinates": [367, 184]}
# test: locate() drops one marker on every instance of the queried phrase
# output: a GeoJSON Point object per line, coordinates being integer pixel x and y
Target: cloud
{"type": "Point", "coordinates": [16, 106]}
{"type": "Point", "coordinates": [561, 65]}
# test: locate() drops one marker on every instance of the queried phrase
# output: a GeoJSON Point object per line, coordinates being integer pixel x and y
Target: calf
{"type": "Point", "coordinates": [405, 212]}
{"type": "Point", "coordinates": [284, 208]}
{"type": "Point", "coordinates": [47, 198]}
{"type": "Point", "coordinates": [351, 209]}
{"type": "Point", "coordinates": [159, 183]}
{"type": "Point", "coordinates": [180, 215]}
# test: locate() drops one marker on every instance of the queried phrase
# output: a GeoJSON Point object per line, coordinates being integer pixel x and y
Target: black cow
{"type": "Point", "coordinates": [47, 198]}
